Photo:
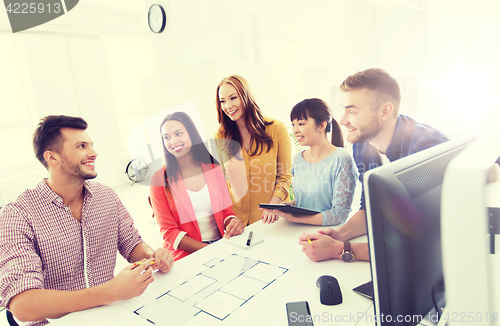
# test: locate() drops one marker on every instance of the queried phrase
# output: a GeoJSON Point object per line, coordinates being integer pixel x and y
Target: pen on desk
{"type": "Point", "coordinates": [249, 238]}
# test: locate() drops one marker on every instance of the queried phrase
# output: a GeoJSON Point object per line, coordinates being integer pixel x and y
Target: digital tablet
{"type": "Point", "coordinates": [290, 209]}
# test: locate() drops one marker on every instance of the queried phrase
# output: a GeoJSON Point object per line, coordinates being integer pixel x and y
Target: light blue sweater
{"type": "Point", "coordinates": [327, 186]}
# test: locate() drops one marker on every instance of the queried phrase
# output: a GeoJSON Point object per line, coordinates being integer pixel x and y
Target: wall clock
{"type": "Point", "coordinates": [157, 19]}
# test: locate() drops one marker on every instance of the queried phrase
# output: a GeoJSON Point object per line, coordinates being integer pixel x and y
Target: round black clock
{"type": "Point", "coordinates": [157, 19]}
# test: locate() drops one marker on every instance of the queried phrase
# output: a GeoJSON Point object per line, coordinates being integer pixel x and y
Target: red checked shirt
{"type": "Point", "coordinates": [42, 246]}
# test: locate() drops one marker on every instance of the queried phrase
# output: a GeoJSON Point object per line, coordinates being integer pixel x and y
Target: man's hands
{"type": "Point", "coordinates": [323, 245]}
{"type": "Point", "coordinates": [132, 281]}
{"type": "Point", "coordinates": [233, 227]}
{"type": "Point", "coordinates": [332, 233]}
{"type": "Point", "coordinates": [163, 260]}
{"type": "Point", "coordinates": [328, 244]}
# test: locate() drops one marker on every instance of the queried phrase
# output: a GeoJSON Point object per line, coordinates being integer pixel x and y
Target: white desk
{"type": "Point", "coordinates": [280, 247]}
{"type": "Point", "coordinates": [349, 276]}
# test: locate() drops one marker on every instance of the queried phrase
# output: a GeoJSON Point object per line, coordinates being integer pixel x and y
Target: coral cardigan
{"type": "Point", "coordinates": [174, 211]}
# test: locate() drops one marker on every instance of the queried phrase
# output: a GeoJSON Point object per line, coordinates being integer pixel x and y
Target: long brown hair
{"type": "Point", "coordinates": [254, 120]}
{"type": "Point", "coordinates": [318, 110]}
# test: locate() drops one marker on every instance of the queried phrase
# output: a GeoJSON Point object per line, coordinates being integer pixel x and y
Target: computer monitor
{"type": "Point", "coordinates": [469, 216]}
{"type": "Point", "coordinates": [403, 223]}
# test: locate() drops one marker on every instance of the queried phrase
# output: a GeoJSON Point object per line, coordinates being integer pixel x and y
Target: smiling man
{"type": "Point", "coordinates": [58, 242]}
{"type": "Point", "coordinates": [380, 135]}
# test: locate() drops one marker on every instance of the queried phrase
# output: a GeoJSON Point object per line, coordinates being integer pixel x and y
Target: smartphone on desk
{"type": "Point", "coordinates": [365, 290]}
{"type": "Point", "coordinates": [298, 314]}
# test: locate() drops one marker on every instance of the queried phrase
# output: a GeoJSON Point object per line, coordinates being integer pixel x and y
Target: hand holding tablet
{"type": "Point", "coordinates": [294, 210]}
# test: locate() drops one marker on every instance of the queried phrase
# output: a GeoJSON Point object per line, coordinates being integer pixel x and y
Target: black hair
{"type": "Point", "coordinates": [318, 110]}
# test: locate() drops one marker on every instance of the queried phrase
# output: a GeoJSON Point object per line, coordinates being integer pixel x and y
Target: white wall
{"type": "Point", "coordinates": [465, 65]}
{"type": "Point", "coordinates": [287, 52]}
{"type": "Point", "coordinates": [83, 65]}
{"type": "Point", "coordinates": [101, 62]}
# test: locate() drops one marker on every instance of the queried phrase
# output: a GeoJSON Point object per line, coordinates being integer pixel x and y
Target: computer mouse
{"type": "Point", "coordinates": [329, 290]}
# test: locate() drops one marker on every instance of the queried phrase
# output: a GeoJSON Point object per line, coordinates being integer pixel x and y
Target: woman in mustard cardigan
{"type": "Point", "coordinates": [255, 151]}
{"type": "Point", "coordinates": [189, 195]}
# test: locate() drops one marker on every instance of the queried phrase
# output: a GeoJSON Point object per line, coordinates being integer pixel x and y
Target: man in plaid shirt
{"type": "Point", "coordinates": [58, 242]}
{"type": "Point", "coordinates": [380, 135]}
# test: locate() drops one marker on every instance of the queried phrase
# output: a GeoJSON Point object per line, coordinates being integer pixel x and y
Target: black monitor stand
{"type": "Point", "coordinates": [494, 223]}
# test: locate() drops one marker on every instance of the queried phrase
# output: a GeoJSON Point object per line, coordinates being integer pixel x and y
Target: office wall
{"type": "Point", "coordinates": [465, 66]}
{"type": "Point", "coordinates": [287, 52]}
{"type": "Point", "coordinates": [101, 62]}
{"type": "Point", "coordinates": [90, 64]}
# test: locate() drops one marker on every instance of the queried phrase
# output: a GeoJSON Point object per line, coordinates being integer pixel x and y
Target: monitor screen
{"type": "Point", "coordinates": [470, 211]}
{"type": "Point", "coordinates": [403, 222]}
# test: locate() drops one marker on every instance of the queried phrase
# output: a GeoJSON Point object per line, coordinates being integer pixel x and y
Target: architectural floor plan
{"type": "Point", "coordinates": [217, 292]}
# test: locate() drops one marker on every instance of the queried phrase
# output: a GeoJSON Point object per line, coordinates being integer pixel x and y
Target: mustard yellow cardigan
{"type": "Point", "coordinates": [256, 179]}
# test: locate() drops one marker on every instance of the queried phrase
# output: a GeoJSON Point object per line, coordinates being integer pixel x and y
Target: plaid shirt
{"type": "Point", "coordinates": [42, 246]}
{"type": "Point", "coordinates": [409, 137]}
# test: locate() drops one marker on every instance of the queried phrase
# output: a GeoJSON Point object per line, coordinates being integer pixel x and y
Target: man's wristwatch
{"type": "Point", "coordinates": [347, 254]}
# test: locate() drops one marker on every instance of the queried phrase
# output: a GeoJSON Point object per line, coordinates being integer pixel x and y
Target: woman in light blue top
{"type": "Point", "coordinates": [324, 175]}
